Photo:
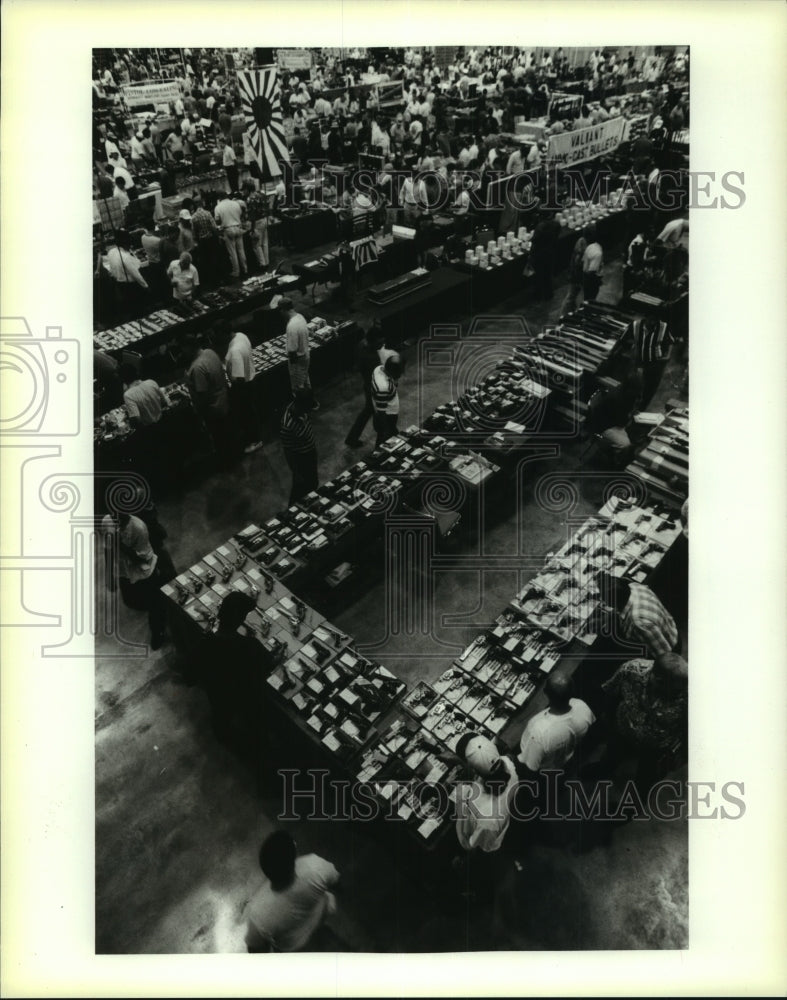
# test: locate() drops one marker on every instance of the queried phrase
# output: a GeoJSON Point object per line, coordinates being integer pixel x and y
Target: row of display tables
{"type": "Point", "coordinates": [353, 714]}
{"type": "Point", "coordinates": [116, 443]}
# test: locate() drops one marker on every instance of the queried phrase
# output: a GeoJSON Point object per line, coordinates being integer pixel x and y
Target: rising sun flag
{"type": "Point", "coordinates": [261, 99]}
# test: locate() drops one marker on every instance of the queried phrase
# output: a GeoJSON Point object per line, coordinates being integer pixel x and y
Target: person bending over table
{"type": "Point", "coordinates": [641, 616]}
{"type": "Point", "coordinates": [610, 412]}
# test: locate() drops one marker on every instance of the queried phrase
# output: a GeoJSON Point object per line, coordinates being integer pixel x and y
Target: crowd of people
{"type": "Point", "coordinates": [639, 713]}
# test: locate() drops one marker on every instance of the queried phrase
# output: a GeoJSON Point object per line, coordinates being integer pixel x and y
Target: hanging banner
{"type": "Point", "coordinates": [586, 143]}
{"type": "Point", "coordinates": [294, 59]}
{"type": "Point", "coordinates": [137, 94]}
{"type": "Point", "coordinates": [261, 103]}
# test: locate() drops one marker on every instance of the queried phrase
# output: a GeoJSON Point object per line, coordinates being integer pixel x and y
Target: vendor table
{"type": "Point", "coordinates": [447, 294]}
{"type": "Point", "coordinates": [147, 334]}
{"type": "Point", "coordinates": [662, 462]}
{"type": "Point", "coordinates": [116, 443]}
{"type": "Point", "coordinates": [490, 285]}
{"type": "Point", "coordinates": [310, 228]}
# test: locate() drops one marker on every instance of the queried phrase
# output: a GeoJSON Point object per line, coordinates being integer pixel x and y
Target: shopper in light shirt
{"type": "Point", "coordinates": [240, 372]}
{"type": "Point", "coordinates": [183, 277]}
{"type": "Point", "coordinates": [229, 215]}
{"type": "Point", "coordinates": [123, 265]}
{"type": "Point", "coordinates": [551, 737]}
{"type": "Point", "coordinates": [297, 344]}
{"type": "Point", "coordinates": [592, 266]}
{"type": "Point", "coordinates": [294, 900]}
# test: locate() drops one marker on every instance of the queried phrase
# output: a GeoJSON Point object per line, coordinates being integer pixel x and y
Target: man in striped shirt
{"type": "Point", "coordinates": [385, 397]}
{"type": "Point", "coordinates": [643, 618]}
{"type": "Point", "coordinates": [652, 342]}
{"type": "Point", "coordinates": [297, 439]}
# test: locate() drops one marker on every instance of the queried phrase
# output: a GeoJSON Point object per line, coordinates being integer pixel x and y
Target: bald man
{"type": "Point", "coordinates": [551, 737]}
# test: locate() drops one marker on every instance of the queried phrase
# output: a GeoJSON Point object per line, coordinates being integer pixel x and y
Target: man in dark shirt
{"type": "Point", "coordinates": [235, 667]}
{"type": "Point", "coordinates": [543, 250]}
{"type": "Point", "coordinates": [297, 439]}
{"type": "Point", "coordinates": [366, 360]}
{"type": "Point", "coordinates": [210, 394]}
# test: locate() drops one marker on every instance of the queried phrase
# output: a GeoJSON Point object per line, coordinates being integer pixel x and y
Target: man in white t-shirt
{"type": "Point", "coordinates": [119, 170]}
{"type": "Point", "coordinates": [183, 277]}
{"type": "Point", "coordinates": [295, 899]}
{"type": "Point", "coordinates": [483, 805]}
{"type": "Point", "coordinates": [240, 371]}
{"type": "Point", "coordinates": [229, 215]}
{"type": "Point", "coordinates": [551, 737]}
{"type": "Point", "coordinates": [296, 336]}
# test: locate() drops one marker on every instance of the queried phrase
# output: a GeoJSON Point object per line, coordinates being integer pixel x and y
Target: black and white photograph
{"type": "Point", "coordinates": [392, 457]}
{"type": "Point", "coordinates": [375, 560]}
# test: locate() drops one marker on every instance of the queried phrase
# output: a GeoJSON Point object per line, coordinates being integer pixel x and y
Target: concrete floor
{"type": "Point", "coordinates": [179, 819]}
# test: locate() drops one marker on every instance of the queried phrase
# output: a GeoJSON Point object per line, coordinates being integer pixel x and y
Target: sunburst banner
{"type": "Point", "coordinates": [261, 100]}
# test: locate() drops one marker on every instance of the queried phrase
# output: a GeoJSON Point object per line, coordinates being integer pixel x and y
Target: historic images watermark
{"type": "Point", "coordinates": [313, 795]}
{"type": "Point", "coordinates": [494, 190]}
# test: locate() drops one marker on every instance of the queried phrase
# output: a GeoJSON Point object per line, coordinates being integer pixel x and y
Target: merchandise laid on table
{"type": "Point", "coordinates": [390, 351]}
{"type": "Point", "coordinates": [165, 325]}
{"type": "Point", "coordinates": [329, 345]}
{"type": "Point", "coordinates": [663, 460]}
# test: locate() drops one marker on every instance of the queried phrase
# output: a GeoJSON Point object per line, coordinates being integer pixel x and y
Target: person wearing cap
{"type": "Point", "coordinates": [111, 147]}
{"type": "Point", "coordinates": [551, 737]}
{"type": "Point", "coordinates": [647, 711]}
{"type": "Point", "coordinates": [185, 232]}
{"type": "Point", "coordinates": [483, 804]}
{"type": "Point", "coordinates": [385, 397]}
{"type": "Point", "coordinates": [296, 335]}
{"type": "Point", "coordinates": [297, 439]}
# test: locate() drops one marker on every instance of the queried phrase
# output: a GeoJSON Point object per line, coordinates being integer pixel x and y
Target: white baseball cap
{"type": "Point", "coordinates": [481, 754]}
